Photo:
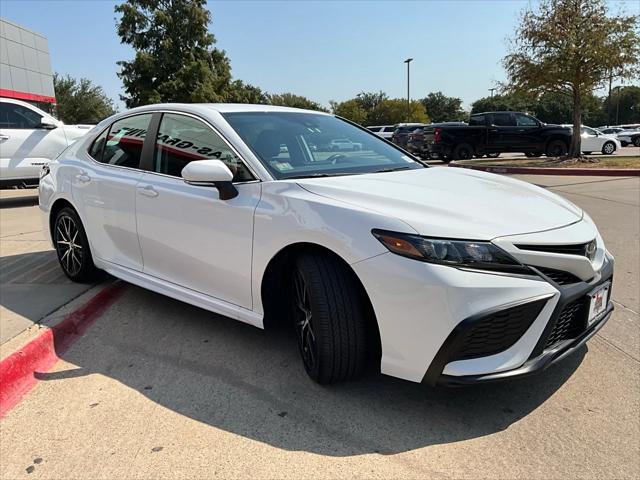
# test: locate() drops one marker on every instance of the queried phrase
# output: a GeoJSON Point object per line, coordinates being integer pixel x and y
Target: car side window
{"type": "Point", "coordinates": [182, 139]}
{"type": "Point", "coordinates": [503, 120]}
{"type": "Point", "coordinates": [18, 117]}
{"type": "Point", "coordinates": [525, 120]}
{"type": "Point", "coordinates": [96, 148]}
{"type": "Point", "coordinates": [477, 120]}
{"type": "Point", "coordinates": [123, 146]}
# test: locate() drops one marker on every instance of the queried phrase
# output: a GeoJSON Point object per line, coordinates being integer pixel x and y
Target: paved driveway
{"type": "Point", "coordinates": [159, 389]}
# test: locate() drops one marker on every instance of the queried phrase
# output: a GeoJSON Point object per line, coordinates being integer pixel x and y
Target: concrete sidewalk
{"type": "Point", "coordinates": [32, 284]}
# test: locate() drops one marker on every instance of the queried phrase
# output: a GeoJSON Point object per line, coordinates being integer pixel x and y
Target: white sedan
{"type": "Point", "coordinates": [595, 141]}
{"type": "Point", "coordinates": [29, 139]}
{"type": "Point", "coordinates": [439, 275]}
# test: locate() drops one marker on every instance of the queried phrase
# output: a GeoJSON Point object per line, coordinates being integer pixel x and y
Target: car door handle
{"type": "Point", "coordinates": [83, 177]}
{"type": "Point", "coordinates": [148, 191]}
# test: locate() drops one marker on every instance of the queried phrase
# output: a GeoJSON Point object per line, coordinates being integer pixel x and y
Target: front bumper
{"type": "Point", "coordinates": [534, 365]}
{"type": "Point", "coordinates": [422, 308]}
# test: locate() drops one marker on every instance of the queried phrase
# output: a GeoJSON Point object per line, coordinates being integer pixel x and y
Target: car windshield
{"type": "Point", "coordinates": [295, 145]}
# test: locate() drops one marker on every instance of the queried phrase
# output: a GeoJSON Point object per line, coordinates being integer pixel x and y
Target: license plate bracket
{"type": "Point", "coordinates": [598, 300]}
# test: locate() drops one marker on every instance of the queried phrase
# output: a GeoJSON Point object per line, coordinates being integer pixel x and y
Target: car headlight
{"type": "Point", "coordinates": [456, 253]}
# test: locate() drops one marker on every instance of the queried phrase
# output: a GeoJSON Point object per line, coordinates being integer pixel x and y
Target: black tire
{"type": "Point", "coordinates": [608, 148]}
{"type": "Point", "coordinates": [329, 318]}
{"type": "Point", "coordinates": [463, 151]}
{"type": "Point", "coordinates": [556, 148]}
{"type": "Point", "coordinates": [636, 141]}
{"type": "Point", "coordinates": [72, 247]}
{"type": "Point", "coordinates": [493, 155]}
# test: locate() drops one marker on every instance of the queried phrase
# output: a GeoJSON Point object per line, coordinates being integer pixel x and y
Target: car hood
{"type": "Point", "coordinates": [452, 202]}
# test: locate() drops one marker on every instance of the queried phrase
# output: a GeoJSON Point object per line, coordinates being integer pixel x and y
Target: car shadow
{"type": "Point", "coordinates": [249, 382]}
{"type": "Point", "coordinates": [21, 201]}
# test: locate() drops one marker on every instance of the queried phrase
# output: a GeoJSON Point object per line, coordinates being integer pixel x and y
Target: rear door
{"type": "Point", "coordinates": [502, 132]}
{"type": "Point", "coordinates": [105, 190]}
{"type": "Point", "coordinates": [188, 235]}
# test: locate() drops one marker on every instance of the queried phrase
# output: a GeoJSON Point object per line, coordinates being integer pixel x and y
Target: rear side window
{"type": "Point", "coordinates": [525, 120]}
{"type": "Point", "coordinates": [123, 146]}
{"type": "Point", "coordinates": [503, 120]}
{"type": "Point", "coordinates": [374, 129]}
{"type": "Point", "coordinates": [96, 148]}
{"type": "Point", "coordinates": [477, 120]}
{"type": "Point", "coordinates": [182, 139]}
{"type": "Point", "coordinates": [389, 129]}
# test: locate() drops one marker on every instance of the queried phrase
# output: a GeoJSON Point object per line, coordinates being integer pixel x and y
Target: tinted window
{"type": "Point", "coordinates": [374, 129]}
{"type": "Point", "coordinates": [182, 139]}
{"type": "Point", "coordinates": [96, 147]}
{"type": "Point", "coordinates": [315, 144]}
{"type": "Point", "coordinates": [389, 129]}
{"type": "Point", "coordinates": [18, 117]}
{"type": "Point", "coordinates": [502, 119]}
{"type": "Point", "coordinates": [525, 120]}
{"type": "Point", "coordinates": [477, 120]}
{"type": "Point", "coordinates": [124, 141]}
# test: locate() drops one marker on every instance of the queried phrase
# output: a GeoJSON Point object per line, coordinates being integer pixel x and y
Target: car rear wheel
{"type": "Point", "coordinates": [636, 141]}
{"type": "Point", "coordinates": [608, 148]}
{"type": "Point", "coordinates": [464, 151]}
{"type": "Point", "coordinates": [72, 247]}
{"type": "Point", "coordinates": [329, 319]}
{"type": "Point", "coordinates": [493, 155]}
{"type": "Point", "coordinates": [556, 148]}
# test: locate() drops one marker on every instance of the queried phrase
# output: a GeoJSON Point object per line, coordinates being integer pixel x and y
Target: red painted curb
{"type": "Point", "coordinates": [600, 172]}
{"type": "Point", "coordinates": [40, 354]}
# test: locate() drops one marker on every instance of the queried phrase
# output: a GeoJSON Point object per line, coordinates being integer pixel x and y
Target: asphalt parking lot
{"type": "Point", "coordinates": [159, 389]}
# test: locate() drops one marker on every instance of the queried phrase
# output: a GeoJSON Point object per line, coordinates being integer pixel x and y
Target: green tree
{"type": "Point", "coordinates": [175, 58]}
{"type": "Point", "coordinates": [510, 102]}
{"type": "Point", "coordinates": [80, 101]}
{"type": "Point", "coordinates": [351, 110]}
{"type": "Point", "coordinates": [623, 107]}
{"type": "Point", "coordinates": [370, 100]}
{"type": "Point", "coordinates": [553, 107]}
{"type": "Point", "coordinates": [240, 92]}
{"type": "Point", "coordinates": [572, 47]}
{"type": "Point", "coordinates": [292, 100]}
{"type": "Point", "coordinates": [394, 110]}
{"type": "Point", "coordinates": [442, 108]}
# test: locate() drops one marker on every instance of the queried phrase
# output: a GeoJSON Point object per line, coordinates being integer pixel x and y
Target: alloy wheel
{"type": "Point", "coordinates": [303, 323]}
{"type": "Point", "coordinates": [608, 148]}
{"type": "Point", "coordinates": [70, 251]}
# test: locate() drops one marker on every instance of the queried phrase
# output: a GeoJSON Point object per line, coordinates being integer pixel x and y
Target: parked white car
{"type": "Point", "coordinates": [29, 139]}
{"type": "Point", "coordinates": [344, 144]}
{"type": "Point", "coordinates": [595, 141]}
{"type": "Point", "coordinates": [384, 131]}
{"type": "Point", "coordinates": [442, 275]}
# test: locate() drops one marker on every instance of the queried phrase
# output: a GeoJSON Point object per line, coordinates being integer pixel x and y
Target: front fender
{"type": "Point", "coordinates": [287, 214]}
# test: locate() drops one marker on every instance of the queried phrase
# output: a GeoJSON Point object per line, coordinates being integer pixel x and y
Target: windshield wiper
{"type": "Point", "coordinates": [318, 175]}
{"type": "Point", "coordinates": [391, 169]}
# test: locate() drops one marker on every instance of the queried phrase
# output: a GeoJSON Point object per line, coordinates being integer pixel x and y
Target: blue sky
{"type": "Point", "coordinates": [329, 50]}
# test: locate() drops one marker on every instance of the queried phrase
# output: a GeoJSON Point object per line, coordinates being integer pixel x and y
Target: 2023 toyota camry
{"type": "Point", "coordinates": [443, 275]}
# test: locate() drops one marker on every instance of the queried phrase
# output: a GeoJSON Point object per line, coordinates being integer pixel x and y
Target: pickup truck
{"type": "Point", "coordinates": [491, 133]}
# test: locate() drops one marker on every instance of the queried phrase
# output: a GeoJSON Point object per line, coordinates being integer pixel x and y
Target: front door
{"type": "Point", "coordinates": [188, 235]}
{"type": "Point", "coordinates": [503, 134]}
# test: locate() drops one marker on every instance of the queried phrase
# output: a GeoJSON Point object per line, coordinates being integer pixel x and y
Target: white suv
{"type": "Point", "coordinates": [29, 139]}
{"type": "Point", "coordinates": [441, 275]}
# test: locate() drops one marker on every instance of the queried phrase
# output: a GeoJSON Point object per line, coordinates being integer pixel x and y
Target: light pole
{"type": "Point", "coordinates": [408, 61]}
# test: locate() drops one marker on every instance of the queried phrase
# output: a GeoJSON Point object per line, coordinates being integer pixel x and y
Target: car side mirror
{"type": "Point", "coordinates": [211, 173]}
{"type": "Point", "coordinates": [46, 124]}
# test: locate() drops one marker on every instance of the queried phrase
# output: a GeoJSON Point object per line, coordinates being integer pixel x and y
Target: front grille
{"type": "Point", "coordinates": [498, 331]}
{"type": "Point", "coordinates": [570, 323]}
{"type": "Point", "coordinates": [558, 276]}
{"type": "Point", "coordinates": [574, 249]}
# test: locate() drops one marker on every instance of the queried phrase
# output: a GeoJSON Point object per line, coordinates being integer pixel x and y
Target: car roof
{"type": "Point", "coordinates": [224, 107]}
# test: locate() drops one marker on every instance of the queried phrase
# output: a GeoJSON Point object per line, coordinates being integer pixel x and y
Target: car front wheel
{"type": "Point", "coordinates": [329, 319]}
{"type": "Point", "coordinates": [72, 247]}
{"type": "Point", "coordinates": [608, 148]}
